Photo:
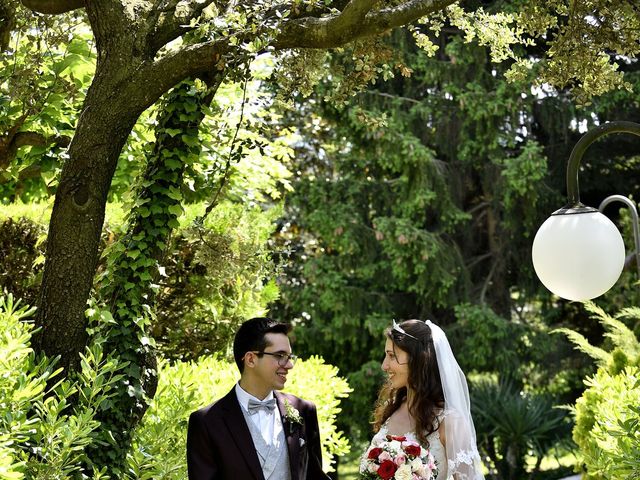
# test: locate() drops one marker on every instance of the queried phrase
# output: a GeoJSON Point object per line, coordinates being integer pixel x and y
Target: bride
{"type": "Point", "coordinates": [426, 400]}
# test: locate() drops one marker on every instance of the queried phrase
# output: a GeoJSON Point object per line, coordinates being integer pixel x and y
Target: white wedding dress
{"type": "Point", "coordinates": [435, 447]}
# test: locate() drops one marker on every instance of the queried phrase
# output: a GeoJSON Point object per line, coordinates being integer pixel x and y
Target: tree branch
{"type": "Point", "coordinates": [356, 10]}
{"type": "Point", "coordinates": [11, 142]}
{"type": "Point", "coordinates": [53, 6]}
{"type": "Point", "coordinates": [7, 23]}
{"type": "Point", "coordinates": [350, 24]}
{"type": "Point", "coordinates": [171, 26]}
{"type": "Point", "coordinates": [155, 79]}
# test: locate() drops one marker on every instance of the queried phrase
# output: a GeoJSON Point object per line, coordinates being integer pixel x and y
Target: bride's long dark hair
{"type": "Point", "coordinates": [423, 379]}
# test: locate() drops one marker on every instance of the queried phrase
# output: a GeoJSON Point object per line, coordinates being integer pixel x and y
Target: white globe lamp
{"type": "Point", "coordinates": [578, 253]}
{"type": "Point", "coordinates": [578, 257]}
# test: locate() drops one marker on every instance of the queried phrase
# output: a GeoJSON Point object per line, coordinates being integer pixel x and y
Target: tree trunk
{"type": "Point", "coordinates": [76, 222]}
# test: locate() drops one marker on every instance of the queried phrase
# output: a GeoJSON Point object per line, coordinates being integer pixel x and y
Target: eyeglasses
{"type": "Point", "coordinates": [283, 358]}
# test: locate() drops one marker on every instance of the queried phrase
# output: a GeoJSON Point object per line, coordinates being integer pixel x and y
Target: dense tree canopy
{"type": "Point", "coordinates": [138, 60]}
{"type": "Point", "coordinates": [420, 198]}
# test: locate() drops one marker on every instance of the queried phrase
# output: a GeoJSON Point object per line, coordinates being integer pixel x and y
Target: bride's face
{"type": "Point", "coordinates": [396, 365]}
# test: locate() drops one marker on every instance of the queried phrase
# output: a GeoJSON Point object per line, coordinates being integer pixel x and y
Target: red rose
{"type": "Point", "coordinates": [387, 469]}
{"type": "Point", "coordinates": [413, 450]}
{"type": "Point", "coordinates": [397, 438]}
{"type": "Point", "coordinates": [374, 452]}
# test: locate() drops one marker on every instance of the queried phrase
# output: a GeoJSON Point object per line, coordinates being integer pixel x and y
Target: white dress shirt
{"type": "Point", "coordinates": [268, 422]}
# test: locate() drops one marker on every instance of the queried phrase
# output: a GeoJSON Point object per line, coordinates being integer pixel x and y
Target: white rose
{"type": "Point", "coordinates": [416, 465]}
{"type": "Point", "coordinates": [395, 446]}
{"type": "Point", "coordinates": [403, 473]}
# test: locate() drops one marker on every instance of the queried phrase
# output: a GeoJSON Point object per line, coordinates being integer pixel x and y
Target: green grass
{"type": "Point", "coordinates": [41, 212]}
{"type": "Point", "coordinates": [348, 466]}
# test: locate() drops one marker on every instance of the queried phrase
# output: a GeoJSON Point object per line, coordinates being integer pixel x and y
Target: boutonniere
{"type": "Point", "coordinates": [292, 415]}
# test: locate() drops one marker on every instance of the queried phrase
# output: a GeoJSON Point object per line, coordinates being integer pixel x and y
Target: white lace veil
{"type": "Point", "coordinates": [463, 459]}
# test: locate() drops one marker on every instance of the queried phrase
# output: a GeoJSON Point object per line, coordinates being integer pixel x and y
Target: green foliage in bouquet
{"type": "Point", "coordinates": [607, 428]}
{"type": "Point", "coordinates": [160, 442]}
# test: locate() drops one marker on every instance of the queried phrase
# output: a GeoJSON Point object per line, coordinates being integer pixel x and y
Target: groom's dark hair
{"type": "Point", "coordinates": [250, 337]}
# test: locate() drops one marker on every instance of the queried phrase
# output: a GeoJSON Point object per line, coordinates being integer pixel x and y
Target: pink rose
{"type": "Point", "coordinates": [410, 442]}
{"type": "Point", "coordinates": [384, 456]}
{"type": "Point", "coordinates": [400, 460]}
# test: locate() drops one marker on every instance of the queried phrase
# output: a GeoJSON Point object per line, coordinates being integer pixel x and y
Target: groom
{"type": "Point", "coordinates": [255, 432]}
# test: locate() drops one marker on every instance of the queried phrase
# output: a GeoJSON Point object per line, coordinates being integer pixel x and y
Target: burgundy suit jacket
{"type": "Point", "coordinates": [220, 447]}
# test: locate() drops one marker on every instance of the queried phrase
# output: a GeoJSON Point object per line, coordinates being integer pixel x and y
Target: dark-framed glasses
{"type": "Point", "coordinates": [282, 358]}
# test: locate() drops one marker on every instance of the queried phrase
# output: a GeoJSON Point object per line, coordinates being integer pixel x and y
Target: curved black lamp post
{"type": "Point", "coordinates": [634, 222]}
{"type": "Point", "coordinates": [578, 253]}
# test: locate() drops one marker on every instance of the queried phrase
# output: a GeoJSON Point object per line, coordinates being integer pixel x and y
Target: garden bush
{"type": "Point", "coordinates": [607, 428]}
{"type": "Point", "coordinates": [20, 250]}
{"type": "Point", "coordinates": [608, 425]}
{"type": "Point", "coordinates": [45, 426]}
{"type": "Point", "coordinates": [160, 440]}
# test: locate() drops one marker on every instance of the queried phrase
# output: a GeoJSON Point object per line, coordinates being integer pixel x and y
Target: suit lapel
{"type": "Point", "coordinates": [292, 435]}
{"type": "Point", "coordinates": [240, 434]}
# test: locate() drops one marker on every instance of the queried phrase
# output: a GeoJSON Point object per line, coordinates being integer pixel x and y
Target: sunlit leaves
{"type": "Point", "coordinates": [585, 42]}
{"type": "Point", "coordinates": [44, 434]}
{"type": "Point", "coordinates": [43, 79]}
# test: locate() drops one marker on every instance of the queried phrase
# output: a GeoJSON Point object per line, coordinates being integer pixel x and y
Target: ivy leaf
{"type": "Point", "coordinates": [133, 254]}
{"type": "Point", "coordinates": [172, 132]}
{"type": "Point", "coordinates": [190, 140]}
{"type": "Point", "coordinates": [174, 193]}
{"type": "Point", "coordinates": [176, 210]}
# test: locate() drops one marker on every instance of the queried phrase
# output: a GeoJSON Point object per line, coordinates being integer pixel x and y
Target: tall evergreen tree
{"type": "Point", "coordinates": [420, 199]}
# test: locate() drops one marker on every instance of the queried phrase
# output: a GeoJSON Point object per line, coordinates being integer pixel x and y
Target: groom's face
{"type": "Point", "coordinates": [268, 371]}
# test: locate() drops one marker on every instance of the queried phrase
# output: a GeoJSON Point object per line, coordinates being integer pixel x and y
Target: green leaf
{"type": "Point", "coordinates": [176, 210]}
{"type": "Point", "coordinates": [172, 131]}
{"type": "Point", "coordinates": [133, 253]}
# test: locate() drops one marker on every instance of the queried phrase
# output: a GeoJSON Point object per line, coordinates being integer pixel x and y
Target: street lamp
{"type": "Point", "coordinates": [634, 222]}
{"type": "Point", "coordinates": [578, 253]}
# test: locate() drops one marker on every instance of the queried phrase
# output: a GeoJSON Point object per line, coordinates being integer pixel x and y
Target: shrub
{"type": "Point", "coordinates": [607, 428]}
{"type": "Point", "coordinates": [46, 427]}
{"type": "Point", "coordinates": [217, 276]}
{"type": "Point", "coordinates": [512, 425]}
{"type": "Point", "coordinates": [160, 441]}
{"type": "Point", "coordinates": [608, 424]}
{"type": "Point", "coordinates": [19, 250]}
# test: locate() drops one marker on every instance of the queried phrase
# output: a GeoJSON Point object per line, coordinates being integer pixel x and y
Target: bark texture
{"type": "Point", "coordinates": [75, 227]}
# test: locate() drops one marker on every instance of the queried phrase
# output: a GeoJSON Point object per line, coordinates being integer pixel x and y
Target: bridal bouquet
{"type": "Point", "coordinates": [398, 458]}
